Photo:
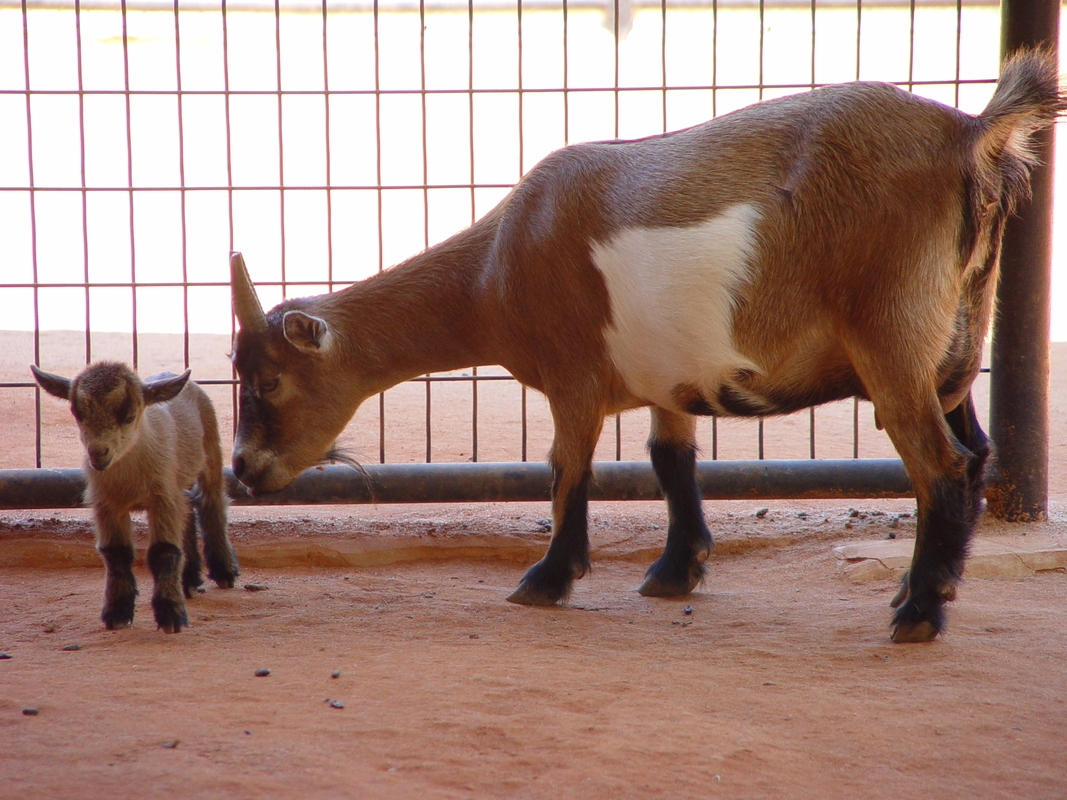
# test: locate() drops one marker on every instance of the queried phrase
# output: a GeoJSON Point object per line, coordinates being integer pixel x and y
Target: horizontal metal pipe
{"type": "Point", "coordinates": [511, 482]}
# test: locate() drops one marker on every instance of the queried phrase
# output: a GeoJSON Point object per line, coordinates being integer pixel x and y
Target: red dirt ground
{"type": "Point", "coordinates": [780, 681]}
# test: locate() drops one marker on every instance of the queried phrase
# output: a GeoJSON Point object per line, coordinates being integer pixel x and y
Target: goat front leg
{"type": "Point", "coordinates": [549, 580]}
{"type": "Point", "coordinates": [672, 448]}
{"type": "Point", "coordinates": [167, 516]}
{"type": "Point", "coordinates": [114, 542]}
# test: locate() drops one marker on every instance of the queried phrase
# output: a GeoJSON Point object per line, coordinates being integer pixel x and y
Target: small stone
{"type": "Point", "coordinates": [762, 513]}
{"type": "Point", "coordinates": [72, 647]}
{"type": "Point", "coordinates": [335, 674]}
{"type": "Point", "coordinates": [256, 587]}
{"type": "Point", "coordinates": [474, 636]}
{"type": "Point", "coordinates": [49, 628]}
{"type": "Point", "coordinates": [336, 704]}
{"type": "Point", "coordinates": [5, 656]}
{"type": "Point", "coordinates": [170, 744]}
{"type": "Point", "coordinates": [262, 672]}
{"type": "Point", "coordinates": [687, 610]}
{"type": "Point", "coordinates": [31, 712]}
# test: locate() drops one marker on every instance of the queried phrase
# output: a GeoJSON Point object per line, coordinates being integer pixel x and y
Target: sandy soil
{"type": "Point", "coordinates": [775, 679]}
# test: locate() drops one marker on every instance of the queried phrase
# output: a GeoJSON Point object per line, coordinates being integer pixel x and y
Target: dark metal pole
{"type": "Point", "coordinates": [511, 482]}
{"type": "Point", "coordinates": [1020, 349]}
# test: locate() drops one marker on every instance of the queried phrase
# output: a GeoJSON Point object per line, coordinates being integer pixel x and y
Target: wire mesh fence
{"type": "Point", "coordinates": [142, 141]}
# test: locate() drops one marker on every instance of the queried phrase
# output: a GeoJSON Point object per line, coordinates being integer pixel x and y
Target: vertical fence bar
{"type": "Point", "coordinates": [129, 180]}
{"type": "Point", "coordinates": [81, 166]}
{"type": "Point", "coordinates": [229, 181]}
{"type": "Point", "coordinates": [329, 167]}
{"type": "Point", "coordinates": [181, 183]}
{"type": "Point", "coordinates": [281, 140]}
{"type": "Point", "coordinates": [1019, 387]}
{"type": "Point", "coordinates": [381, 196]}
{"type": "Point", "coordinates": [33, 222]}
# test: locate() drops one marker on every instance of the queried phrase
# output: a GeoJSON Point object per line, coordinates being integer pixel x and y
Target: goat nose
{"type": "Point", "coordinates": [99, 457]}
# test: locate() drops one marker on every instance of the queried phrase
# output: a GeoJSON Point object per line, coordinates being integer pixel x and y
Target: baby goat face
{"type": "Point", "coordinates": [107, 400]}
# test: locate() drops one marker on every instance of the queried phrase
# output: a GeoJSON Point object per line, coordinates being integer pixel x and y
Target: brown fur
{"type": "Point", "coordinates": [874, 275]}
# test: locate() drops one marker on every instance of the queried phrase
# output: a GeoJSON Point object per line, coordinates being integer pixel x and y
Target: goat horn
{"type": "Point", "coordinates": [246, 305]}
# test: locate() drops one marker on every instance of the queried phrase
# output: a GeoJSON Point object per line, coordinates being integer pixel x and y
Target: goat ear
{"type": "Point", "coordinates": [161, 390]}
{"type": "Point", "coordinates": [306, 333]}
{"type": "Point", "coordinates": [55, 385]}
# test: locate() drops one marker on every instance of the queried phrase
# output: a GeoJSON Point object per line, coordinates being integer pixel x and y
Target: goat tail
{"type": "Point", "coordinates": [1029, 96]}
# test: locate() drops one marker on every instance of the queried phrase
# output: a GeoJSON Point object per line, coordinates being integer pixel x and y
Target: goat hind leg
{"type": "Point", "coordinates": [210, 504]}
{"type": "Point", "coordinates": [672, 448]}
{"type": "Point", "coordinates": [192, 579]}
{"type": "Point", "coordinates": [941, 472]}
{"type": "Point", "coordinates": [549, 580]}
{"type": "Point", "coordinates": [963, 422]}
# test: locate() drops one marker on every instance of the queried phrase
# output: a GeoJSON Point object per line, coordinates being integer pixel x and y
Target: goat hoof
{"type": "Point", "coordinates": [908, 633]}
{"type": "Point", "coordinates": [527, 595]}
{"type": "Point", "coordinates": [224, 575]}
{"type": "Point", "coordinates": [668, 580]}
{"type": "Point", "coordinates": [118, 615]}
{"type": "Point", "coordinates": [547, 582]}
{"type": "Point", "coordinates": [170, 616]}
{"type": "Point", "coordinates": [654, 587]}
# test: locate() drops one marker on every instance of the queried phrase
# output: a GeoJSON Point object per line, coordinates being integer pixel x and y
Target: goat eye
{"type": "Point", "coordinates": [268, 386]}
{"type": "Point", "coordinates": [129, 420]}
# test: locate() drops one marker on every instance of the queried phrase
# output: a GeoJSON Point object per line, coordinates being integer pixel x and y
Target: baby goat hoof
{"type": "Point", "coordinates": [170, 616]}
{"type": "Point", "coordinates": [224, 581]}
{"type": "Point", "coordinates": [118, 615]}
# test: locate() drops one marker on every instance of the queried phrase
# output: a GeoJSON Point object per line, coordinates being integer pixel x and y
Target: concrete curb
{"type": "Point", "coordinates": [999, 557]}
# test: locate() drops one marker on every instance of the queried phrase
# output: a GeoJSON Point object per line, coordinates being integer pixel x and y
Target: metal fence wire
{"type": "Point", "coordinates": [142, 141]}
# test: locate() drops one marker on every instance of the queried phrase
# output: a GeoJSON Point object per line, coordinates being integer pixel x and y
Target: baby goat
{"type": "Point", "coordinates": [152, 445]}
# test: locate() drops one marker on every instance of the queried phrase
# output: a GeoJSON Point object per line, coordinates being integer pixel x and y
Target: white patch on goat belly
{"type": "Point", "coordinates": [672, 294]}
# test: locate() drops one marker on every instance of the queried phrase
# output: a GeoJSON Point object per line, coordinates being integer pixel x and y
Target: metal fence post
{"type": "Point", "coordinates": [1020, 349]}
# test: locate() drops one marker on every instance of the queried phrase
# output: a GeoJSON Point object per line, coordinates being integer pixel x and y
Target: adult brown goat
{"type": "Point", "coordinates": [842, 242]}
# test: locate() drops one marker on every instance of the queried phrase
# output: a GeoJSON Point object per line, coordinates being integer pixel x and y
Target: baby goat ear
{"type": "Point", "coordinates": [55, 385]}
{"type": "Point", "coordinates": [306, 333]}
{"type": "Point", "coordinates": [160, 390]}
